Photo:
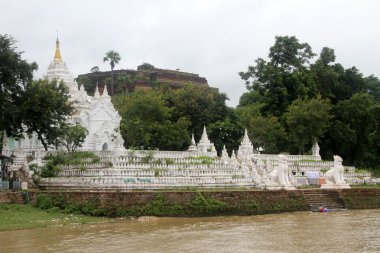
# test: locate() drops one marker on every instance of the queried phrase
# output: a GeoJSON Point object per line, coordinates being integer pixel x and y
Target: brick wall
{"type": "Point", "coordinates": [11, 198]}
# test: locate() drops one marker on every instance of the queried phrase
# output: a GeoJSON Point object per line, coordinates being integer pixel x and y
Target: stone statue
{"type": "Point", "coordinates": [315, 149]}
{"type": "Point", "coordinates": [280, 174]}
{"type": "Point", "coordinates": [334, 176]}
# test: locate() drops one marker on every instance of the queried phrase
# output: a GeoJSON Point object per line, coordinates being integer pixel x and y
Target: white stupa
{"type": "Point", "coordinates": [246, 147]}
{"type": "Point", "coordinates": [97, 114]}
{"type": "Point", "coordinates": [205, 145]}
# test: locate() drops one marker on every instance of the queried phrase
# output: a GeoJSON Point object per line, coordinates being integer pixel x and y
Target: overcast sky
{"type": "Point", "coordinates": [215, 39]}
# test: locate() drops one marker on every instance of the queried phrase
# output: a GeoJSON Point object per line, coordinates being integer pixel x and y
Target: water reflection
{"type": "Point", "coordinates": [351, 231]}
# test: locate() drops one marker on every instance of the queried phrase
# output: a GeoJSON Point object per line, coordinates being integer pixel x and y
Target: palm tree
{"type": "Point", "coordinates": [113, 57]}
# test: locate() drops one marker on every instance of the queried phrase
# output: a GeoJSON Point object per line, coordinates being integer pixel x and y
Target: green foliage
{"type": "Point", "coordinates": [74, 158]}
{"type": "Point", "coordinates": [125, 83]}
{"type": "Point", "coordinates": [308, 100]}
{"type": "Point", "coordinates": [169, 161]}
{"type": "Point", "coordinates": [114, 58]}
{"type": "Point", "coordinates": [163, 118]}
{"type": "Point", "coordinates": [307, 119]}
{"type": "Point", "coordinates": [16, 216]}
{"type": "Point", "coordinates": [226, 133]}
{"type": "Point", "coordinates": [147, 123]}
{"type": "Point", "coordinates": [267, 133]}
{"type": "Point", "coordinates": [355, 132]}
{"type": "Point", "coordinates": [94, 69]}
{"type": "Point", "coordinates": [145, 66]}
{"type": "Point", "coordinates": [201, 105]}
{"type": "Point", "coordinates": [45, 107]}
{"type": "Point", "coordinates": [55, 160]}
{"type": "Point", "coordinates": [87, 84]}
{"type": "Point", "coordinates": [207, 205]}
{"type": "Point", "coordinates": [149, 157]}
{"type": "Point", "coordinates": [282, 79]}
{"type": "Point", "coordinates": [202, 159]}
{"type": "Point", "coordinates": [43, 202]}
{"type": "Point", "coordinates": [15, 74]}
{"type": "Point", "coordinates": [72, 137]}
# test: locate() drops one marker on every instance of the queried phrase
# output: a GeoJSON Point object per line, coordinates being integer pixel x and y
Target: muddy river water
{"type": "Point", "coordinates": [349, 231]}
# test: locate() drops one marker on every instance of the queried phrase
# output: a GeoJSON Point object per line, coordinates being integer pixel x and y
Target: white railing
{"type": "Point", "coordinates": [144, 173]}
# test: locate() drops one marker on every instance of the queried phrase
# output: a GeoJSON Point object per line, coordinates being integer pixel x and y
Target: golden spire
{"type": "Point", "coordinates": [57, 56]}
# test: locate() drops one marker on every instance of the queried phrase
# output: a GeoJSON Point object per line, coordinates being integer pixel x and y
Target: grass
{"type": "Point", "coordinates": [365, 186]}
{"type": "Point", "coordinates": [14, 216]}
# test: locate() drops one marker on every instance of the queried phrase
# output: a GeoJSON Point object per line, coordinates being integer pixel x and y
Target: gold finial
{"type": "Point", "coordinates": [57, 56]}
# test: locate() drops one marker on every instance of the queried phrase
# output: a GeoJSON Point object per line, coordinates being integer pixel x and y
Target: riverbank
{"type": "Point", "coordinates": [188, 203]}
{"type": "Point", "coordinates": [15, 216]}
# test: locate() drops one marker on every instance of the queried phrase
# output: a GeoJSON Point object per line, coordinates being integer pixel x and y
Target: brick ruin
{"type": "Point", "coordinates": [145, 77]}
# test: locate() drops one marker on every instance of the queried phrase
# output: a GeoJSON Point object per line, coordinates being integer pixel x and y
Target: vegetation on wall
{"type": "Point", "coordinates": [54, 161]}
{"type": "Point", "coordinates": [193, 203]}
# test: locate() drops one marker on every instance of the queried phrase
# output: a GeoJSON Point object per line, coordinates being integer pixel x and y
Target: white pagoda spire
{"type": "Point", "coordinates": [105, 91]}
{"type": "Point", "coordinates": [246, 147]}
{"type": "Point", "coordinates": [97, 94]}
{"type": "Point", "coordinates": [193, 146]}
{"type": "Point", "coordinates": [204, 144]}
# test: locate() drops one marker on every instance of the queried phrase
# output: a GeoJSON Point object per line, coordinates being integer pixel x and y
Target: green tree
{"type": "Point", "coordinates": [226, 133]}
{"type": "Point", "coordinates": [125, 82]}
{"type": "Point", "coordinates": [71, 136]}
{"type": "Point", "coordinates": [286, 76]}
{"type": "Point", "coordinates": [201, 105]}
{"type": "Point", "coordinates": [45, 107]}
{"type": "Point", "coordinates": [114, 58]}
{"type": "Point", "coordinates": [328, 76]}
{"type": "Point", "coordinates": [94, 69]}
{"type": "Point", "coordinates": [306, 120]}
{"type": "Point", "coordinates": [15, 74]}
{"type": "Point", "coordinates": [354, 134]}
{"type": "Point", "coordinates": [373, 86]}
{"type": "Point", "coordinates": [267, 133]}
{"type": "Point", "coordinates": [146, 122]}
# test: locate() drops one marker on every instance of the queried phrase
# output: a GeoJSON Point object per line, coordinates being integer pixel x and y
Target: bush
{"type": "Point", "coordinates": [207, 205]}
{"type": "Point", "coordinates": [43, 202]}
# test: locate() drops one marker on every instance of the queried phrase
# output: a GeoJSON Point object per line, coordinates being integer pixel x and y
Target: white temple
{"type": "Point", "coordinates": [198, 166]}
{"type": "Point", "coordinates": [97, 113]}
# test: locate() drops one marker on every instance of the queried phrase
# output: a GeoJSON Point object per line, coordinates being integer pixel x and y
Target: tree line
{"type": "Point", "coordinates": [295, 96]}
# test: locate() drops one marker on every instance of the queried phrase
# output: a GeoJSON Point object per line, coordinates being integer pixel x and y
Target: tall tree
{"type": "Point", "coordinates": [114, 58]}
{"type": "Point", "coordinates": [276, 83]}
{"type": "Point", "coordinates": [267, 133]}
{"type": "Point", "coordinates": [147, 123]}
{"type": "Point", "coordinates": [307, 119]}
{"type": "Point", "coordinates": [15, 74]}
{"type": "Point", "coordinates": [373, 86]}
{"type": "Point", "coordinates": [94, 69]}
{"type": "Point", "coordinates": [44, 108]}
{"type": "Point", "coordinates": [202, 105]}
{"type": "Point", "coordinates": [226, 133]}
{"type": "Point", "coordinates": [354, 134]}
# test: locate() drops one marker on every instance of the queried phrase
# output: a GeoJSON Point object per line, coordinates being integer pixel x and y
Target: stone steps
{"type": "Point", "coordinates": [315, 198]}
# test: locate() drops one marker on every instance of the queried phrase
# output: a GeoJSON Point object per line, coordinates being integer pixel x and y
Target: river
{"type": "Point", "coordinates": [349, 231]}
